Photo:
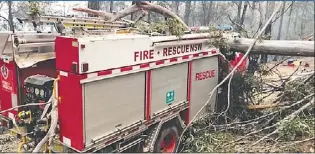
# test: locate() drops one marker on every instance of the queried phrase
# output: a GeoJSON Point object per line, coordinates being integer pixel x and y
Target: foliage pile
{"type": "Point", "coordinates": [169, 26]}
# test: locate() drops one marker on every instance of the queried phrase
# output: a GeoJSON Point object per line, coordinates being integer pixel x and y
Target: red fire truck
{"type": "Point", "coordinates": [116, 92]}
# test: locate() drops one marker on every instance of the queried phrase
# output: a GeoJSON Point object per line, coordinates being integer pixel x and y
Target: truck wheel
{"type": "Point", "coordinates": [167, 140]}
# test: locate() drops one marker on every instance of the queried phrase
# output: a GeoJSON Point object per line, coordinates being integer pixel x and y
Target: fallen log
{"type": "Point", "coordinates": [274, 47]}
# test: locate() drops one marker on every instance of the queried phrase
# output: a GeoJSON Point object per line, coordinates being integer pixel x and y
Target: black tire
{"type": "Point", "coordinates": [171, 136]}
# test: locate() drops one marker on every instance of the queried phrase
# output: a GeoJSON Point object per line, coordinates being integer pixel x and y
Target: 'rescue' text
{"type": "Point", "coordinates": [205, 75]}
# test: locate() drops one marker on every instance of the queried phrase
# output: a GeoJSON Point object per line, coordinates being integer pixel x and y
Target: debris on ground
{"type": "Point", "coordinates": [8, 143]}
{"type": "Point", "coordinates": [280, 117]}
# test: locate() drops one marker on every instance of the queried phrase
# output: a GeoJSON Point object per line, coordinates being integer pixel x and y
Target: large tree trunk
{"type": "Point", "coordinates": [275, 47]}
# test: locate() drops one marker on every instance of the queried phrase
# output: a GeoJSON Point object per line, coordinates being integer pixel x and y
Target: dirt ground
{"type": "Point", "coordinates": [8, 143]}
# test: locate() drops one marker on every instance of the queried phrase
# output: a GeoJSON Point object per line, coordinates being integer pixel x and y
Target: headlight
{"type": "Point", "coordinates": [42, 92]}
{"type": "Point", "coordinates": [36, 91]}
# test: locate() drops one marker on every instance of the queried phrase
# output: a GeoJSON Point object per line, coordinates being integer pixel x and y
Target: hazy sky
{"type": "Point", "coordinates": [59, 6]}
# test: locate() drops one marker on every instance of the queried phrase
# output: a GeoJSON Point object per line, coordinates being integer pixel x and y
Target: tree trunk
{"type": "Point", "coordinates": [264, 57]}
{"type": "Point", "coordinates": [194, 14]}
{"type": "Point", "coordinates": [94, 5]}
{"type": "Point", "coordinates": [176, 7]}
{"type": "Point", "coordinates": [289, 22]}
{"type": "Point", "coordinates": [132, 14]}
{"type": "Point", "coordinates": [281, 22]}
{"type": "Point", "coordinates": [111, 6]}
{"type": "Point", "coordinates": [275, 58]}
{"type": "Point", "coordinates": [296, 20]}
{"type": "Point", "coordinates": [275, 47]}
{"type": "Point", "coordinates": [187, 12]}
{"type": "Point", "coordinates": [10, 16]}
{"type": "Point", "coordinates": [210, 12]}
{"type": "Point", "coordinates": [239, 19]}
{"type": "Point", "coordinates": [243, 14]}
{"type": "Point", "coordinates": [204, 10]}
{"type": "Point", "coordinates": [302, 24]}
{"type": "Point", "coordinates": [207, 11]}
{"type": "Point", "coordinates": [149, 14]}
{"type": "Point", "coordinates": [239, 9]}
{"type": "Point", "coordinates": [269, 9]}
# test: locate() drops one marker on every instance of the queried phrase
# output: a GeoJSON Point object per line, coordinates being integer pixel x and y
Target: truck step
{"type": "Point", "coordinates": [149, 144]}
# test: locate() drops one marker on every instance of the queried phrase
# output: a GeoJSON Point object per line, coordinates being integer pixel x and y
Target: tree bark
{"type": "Point", "coordinates": [94, 5]}
{"type": "Point", "coordinates": [289, 22]}
{"type": "Point", "coordinates": [10, 16]}
{"type": "Point", "coordinates": [149, 14]}
{"type": "Point", "coordinates": [187, 12]}
{"type": "Point", "coordinates": [302, 24]}
{"type": "Point", "coordinates": [243, 14]}
{"type": "Point", "coordinates": [275, 58]}
{"type": "Point", "coordinates": [275, 47]}
{"type": "Point", "coordinates": [281, 22]}
{"type": "Point", "coordinates": [111, 6]}
{"type": "Point", "coordinates": [176, 7]}
{"type": "Point", "coordinates": [132, 14]}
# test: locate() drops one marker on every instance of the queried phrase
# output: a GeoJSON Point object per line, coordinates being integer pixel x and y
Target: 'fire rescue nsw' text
{"type": "Point", "coordinates": [167, 51]}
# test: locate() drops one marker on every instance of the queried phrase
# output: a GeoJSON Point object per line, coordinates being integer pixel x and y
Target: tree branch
{"type": "Point", "coordinates": [138, 6]}
{"type": "Point", "coordinates": [288, 118]}
{"type": "Point", "coordinates": [283, 12]}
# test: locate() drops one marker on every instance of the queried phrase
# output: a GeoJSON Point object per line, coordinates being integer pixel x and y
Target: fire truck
{"type": "Point", "coordinates": [117, 90]}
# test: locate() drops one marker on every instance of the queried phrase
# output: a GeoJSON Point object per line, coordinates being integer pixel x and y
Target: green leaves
{"type": "Point", "coordinates": [291, 130]}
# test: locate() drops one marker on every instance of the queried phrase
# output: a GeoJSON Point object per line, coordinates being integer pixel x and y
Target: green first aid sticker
{"type": "Point", "coordinates": [170, 97]}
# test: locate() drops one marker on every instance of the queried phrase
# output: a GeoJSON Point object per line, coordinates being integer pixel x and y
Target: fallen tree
{"type": "Point", "coordinates": [271, 47]}
{"type": "Point", "coordinates": [275, 47]}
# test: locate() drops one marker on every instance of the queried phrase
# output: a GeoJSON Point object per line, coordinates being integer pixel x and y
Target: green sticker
{"type": "Point", "coordinates": [170, 97]}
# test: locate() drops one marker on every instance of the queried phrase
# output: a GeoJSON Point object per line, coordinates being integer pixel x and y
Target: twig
{"type": "Point", "coordinates": [283, 12]}
{"type": "Point", "coordinates": [285, 107]}
{"type": "Point", "coordinates": [308, 78]}
{"type": "Point", "coordinates": [279, 63]}
{"type": "Point", "coordinates": [297, 142]}
{"type": "Point", "coordinates": [234, 69]}
{"type": "Point", "coordinates": [288, 118]}
{"type": "Point", "coordinates": [291, 75]}
{"type": "Point", "coordinates": [229, 93]}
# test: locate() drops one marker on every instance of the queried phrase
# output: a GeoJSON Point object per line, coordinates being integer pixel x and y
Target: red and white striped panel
{"type": "Point", "coordinates": [145, 66]}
